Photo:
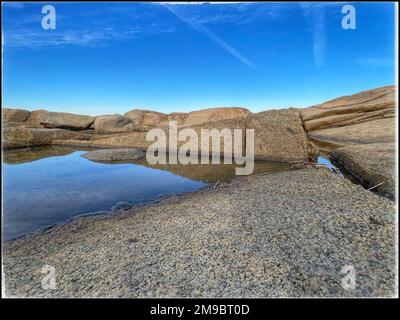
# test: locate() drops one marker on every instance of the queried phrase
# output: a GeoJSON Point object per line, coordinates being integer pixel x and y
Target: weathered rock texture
{"type": "Point", "coordinates": [285, 234]}
{"type": "Point", "coordinates": [113, 123]}
{"type": "Point", "coordinates": [114, 154]}
{"type": "Point", "coordinates": [21, 136]}
{"type": "Point", "coordinates": [125, 140]}
{"type": "Point", "coordinates": [214, 115]}
{"type": "Point", "coordinates": [382, 130]}
{"type": "Point", "coordinates": [365, 117]}
{"type": "Point", "coordinates": [65, 120]}
{"type": "Point", "coordinates": [372, 164]}
{"type": "Point", "coordinates": [359, 131]}
{"type": "Point", "coordinates": [144, 120]}
{"type": "Point", "coordinates": [279, 136]}
{"type": "Point", "coordinates": [34, 117]}
{"type": "Point", "coordinates": [15, 115]}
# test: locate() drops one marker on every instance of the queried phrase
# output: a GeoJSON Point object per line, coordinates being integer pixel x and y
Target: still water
{"type": "Point", "coordinates": [50, 185]}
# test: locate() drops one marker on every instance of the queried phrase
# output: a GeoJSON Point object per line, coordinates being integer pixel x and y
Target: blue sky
{"type": "Point", "coordinates": [106, 58]}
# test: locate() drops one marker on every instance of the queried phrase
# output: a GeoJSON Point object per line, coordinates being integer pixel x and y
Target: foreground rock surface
{"type": "Point", "coordinates": [277, 234]}
{"type": "Point", "coordinates": [114, 154]}
{"type": "Point", "coordinates": [372, 164]}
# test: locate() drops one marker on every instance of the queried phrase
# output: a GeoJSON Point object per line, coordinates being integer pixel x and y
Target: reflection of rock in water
{"type": "Point", "coordinates": [202, 172]}
{"type": "Point", "coordinates": [212, 172]}
{"type": "Point", "coordinates": [33, 154]}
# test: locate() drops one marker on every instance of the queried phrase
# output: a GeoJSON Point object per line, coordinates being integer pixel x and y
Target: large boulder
{"type": "Point", "coordinates": [34, 117]}
{"type": "Point", "coordinates": [22, 136]}
{"type": "Point", "coordinates": [215, 130]}
{"type": "Point", "coordinates": [112, 123]}
{"type": "Point", "coordinates": [109, 155]}
{"type": "Point", "coordinates": [15, 115]}
{"type": "Point", "coordinates": [374, 164]}
{"type": "Point", "coordinates": [280, 136]}
{"type": "Point", "coordinates": [214, 115]}
{"type": "Point", "coordinates": [65, 120]}
{"type": "Point", "coordinates": [144, 120]}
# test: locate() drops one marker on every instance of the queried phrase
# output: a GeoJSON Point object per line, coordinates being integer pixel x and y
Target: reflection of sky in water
{"type": "Point", "coordinates": [52, 190]}
{"type": "Point", "coordinates": [326, 162]}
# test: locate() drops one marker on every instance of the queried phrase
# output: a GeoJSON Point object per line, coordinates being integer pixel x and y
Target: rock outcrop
{"type": "Point", "coordinates": [214, 115]}
{"type": "Point", "coordinates": [382, 130]}
{"type": "Point", "coordinates": [65, 120]}
{"type": "Point", "coordinates": [114, 155]}
{"type": "Point", "coordinates": [34, 117]}
{"type": "Point", "coordinates": [359, 132]}
{"type": "Point", "coordinates": [374, 164]}
{"type": "Point", "coordinates": [280, 136]}
{"type": "Point", "coordinates": [367, 116]}
{"type": "Point", "coordinates": [144, 120]}
{"type": "Point", "coordinates": [112, 123]}
{"type": "Point", "coordinates": [15, 115]}
{"type": "Point", "coordinates": [21, 136]}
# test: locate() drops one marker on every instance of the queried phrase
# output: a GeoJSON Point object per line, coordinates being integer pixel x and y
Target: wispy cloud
{"type": "Point", "coordinates": [91, 28]}
{"type": "Point", "coordinates": [13, 5]}
{"type": "Point", "coordinates": [36, 39]}
{"type": "Point", "coordinates": [212, 36]}
{"type": "Point", "coordinates": [315, 15]}
{"type": "Point", "coordinates": [319, 36]}
{"type": "Point", "coordinates": [103, 24]}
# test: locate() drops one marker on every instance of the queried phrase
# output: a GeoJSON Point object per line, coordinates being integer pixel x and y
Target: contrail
{"type": "Point", "coordinates": [211, 35]}
{"type": "Point", "coordinates": [319, 36]}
